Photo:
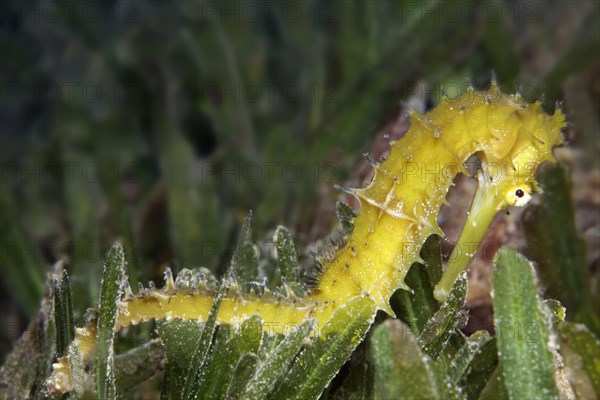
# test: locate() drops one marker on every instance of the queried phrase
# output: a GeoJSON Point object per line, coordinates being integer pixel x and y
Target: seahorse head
{"type": "Point", "coordinates": [513, 139]}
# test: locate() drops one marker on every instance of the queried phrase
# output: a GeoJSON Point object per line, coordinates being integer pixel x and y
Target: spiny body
{"type": "Point", "coordinates": [398, 211]}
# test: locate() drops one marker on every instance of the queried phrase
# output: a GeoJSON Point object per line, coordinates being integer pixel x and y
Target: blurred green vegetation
{"type": "Point", "coordinates": [160, 124]}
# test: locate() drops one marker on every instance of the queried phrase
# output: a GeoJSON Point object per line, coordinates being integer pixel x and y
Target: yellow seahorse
{"type": "Point", "coordinates": [398, 211]}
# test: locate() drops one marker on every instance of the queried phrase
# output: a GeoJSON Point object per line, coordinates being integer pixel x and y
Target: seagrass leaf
{"type": "Point", "coordinates": [138, 365]}
{"type": "Point", "coordinates": [346, 215]}
{"type": "Point", "coordinates": [230, 346]}
{"type": "Point", "coordinates": [523, 329]}
{"type": "Point", "coordinates": [483, 363]}
{"type": "Point", "coordinates": [581, 351]}
{"type": "Point", "coordinates": [243, 372]}
{"type": "Point", "coordinates": [465, 356]}
{"type": "Point", "coordinates": [286, 255]}
{"type": "Point", "coordinates": [277, 362]}
{"type": "Point", "coordinates": [111, 292]}
{"type": "Point", "coordinates": [319, 362]}
{"type": "Point", "coordinates": [552, 236]}
{"type": "Point", "coordinates": [202, 353]}
{"type": "Point", "coordinates": [439, 328]}
{"type": "Point", "coordinates": [418, 306]}
{"type": "Point", "coordinates": [179, 339]}
{"type": "Point", "coordinates": [402, 370]}
{"type": "Point", "coordinates": [63, 311]}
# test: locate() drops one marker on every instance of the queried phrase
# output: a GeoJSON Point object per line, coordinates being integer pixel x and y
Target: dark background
{"type": "Point", "coordinates": [160, 124]}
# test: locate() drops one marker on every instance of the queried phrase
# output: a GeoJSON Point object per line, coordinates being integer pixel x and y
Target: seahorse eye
{"type": "Point", "coordinates": [518, 196]}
